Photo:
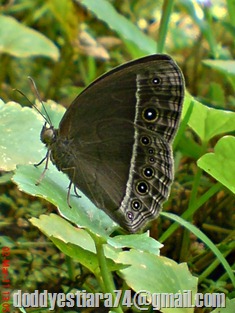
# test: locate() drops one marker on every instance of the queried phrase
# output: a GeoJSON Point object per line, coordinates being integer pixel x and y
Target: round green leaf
{"type": "Point", "coordinates": [157, 274]}
{"type": "Point", "coordinates": [20, 133]}
{"type": "Point", "coordinates": [209, 122]}
{"type": "Point", "coordinates": [221, 163]}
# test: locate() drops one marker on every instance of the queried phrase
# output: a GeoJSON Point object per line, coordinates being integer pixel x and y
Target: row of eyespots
{"type": "Point", "coordinates": [148, 172]}
{"type": "Point", "coordinates": [149, 115]}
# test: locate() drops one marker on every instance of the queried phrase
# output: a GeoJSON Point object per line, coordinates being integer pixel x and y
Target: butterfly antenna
{"type": "Point", "coordinates": [31, 103]}
{"type": "Point", "coordinates": [34, 87]}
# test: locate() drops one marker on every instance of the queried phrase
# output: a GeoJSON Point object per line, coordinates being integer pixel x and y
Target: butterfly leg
{"type": "Point", "coordinates": [68, 194]}
{"type": "Point", "coordinates": [47, 157]}
{"type": "Point", "coordinates": [70, 184]}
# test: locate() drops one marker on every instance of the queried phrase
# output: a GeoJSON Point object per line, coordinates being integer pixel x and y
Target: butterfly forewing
{"type": "Point", "coordinates": [114, 141]}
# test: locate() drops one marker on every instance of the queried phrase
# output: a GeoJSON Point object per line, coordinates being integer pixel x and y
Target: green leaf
{"type": "Point", "coordinates": [137, 241]}
{"type": "Point", "coordinates": [228, 307]}
{"type": "Point", "coordinates": [157, 274]}
{"type": "Point", "coordinates": [221, 163]}
{"type": "Point", "coordinates": [126, 30]}
{"type": "Point", "coordinates": [216, 94]}
{"type": "Point", "coordinates": [54, 188]}
{"type": "Point", "coordinates": [20, 128]}
{"type": "Point", "coordinates": [74, 242]}
{"type": "Point", "coordinates": [208, 122]}
{"type": "Point", "coordinates": [6, 177]}
{"type": "Point", "coordinates": [226, 67]}
{"type": "Point", "coordinates": [21, 41]}
{"type": "Point", "coordinates": [21, 145]}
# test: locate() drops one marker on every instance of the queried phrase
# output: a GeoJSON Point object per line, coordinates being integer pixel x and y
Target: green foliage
{"type": "Point", "coordinates": [221, 163]}
{"type": "Point", "coordinates": [64, 45]}
{"type": "Point", "coordinates": [125, 29]}
{"type": "Point", "coordinates": [20, 41]}
{"type": "Point", "coordinates": [208, 122]}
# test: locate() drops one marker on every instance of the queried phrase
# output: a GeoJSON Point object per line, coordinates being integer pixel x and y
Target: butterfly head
{"type": "Point", "coordinates": [48, 134]}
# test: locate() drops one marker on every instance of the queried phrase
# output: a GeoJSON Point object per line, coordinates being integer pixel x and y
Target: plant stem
{"type": "Point", "coordinates": [107, 279]}
{"type": "Point", "coordinates": [166, 12]}
{"type": "Point", "coordinates": [192, 200]}
{"type": "Point", "coordinates": [231, 11]}
{"type": "Point", "coordinates": [211, 268]}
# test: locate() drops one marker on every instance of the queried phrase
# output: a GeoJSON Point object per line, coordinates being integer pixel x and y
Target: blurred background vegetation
{"type": "Point", "coordinates": [64, 45]}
